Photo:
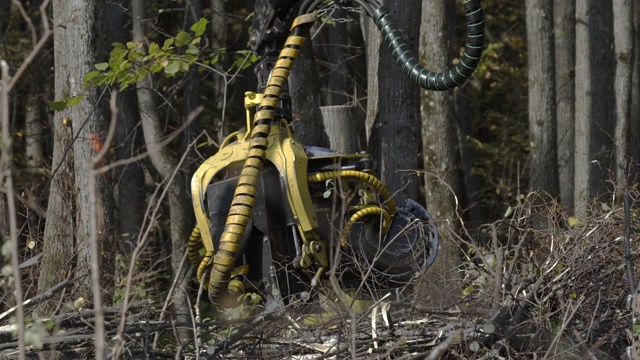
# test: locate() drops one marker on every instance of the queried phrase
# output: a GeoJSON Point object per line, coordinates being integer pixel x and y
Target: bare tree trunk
{"type": "Point", "coordinates": [543, 158]}
{"type": "Point", "coordinates": [440, 151]}
{"type": "Point", "coordinates": [341, 126]}
{"type": "Point", "coordinates": [68, 212]}
{"type": "Point", "coordinates": [395, 140]}
{"type": "Point", "coordinates": [165, 163]}
{"type": "Point", "coordinates": [33, 134]}
{"type": "Point", "coordinates": [304, 88]}
{"type": "Point", "coordinates": [594, 100]}
{"type": "Point", "coordinates": [89, 125]}
{"type": "Point", "coordinates": [564, 13]}
{"type": "Point", "coordinates": [373, 41]}
{"type": "Point", "coordinates": [624, 48]}
{"type": "Point", "coordinates": [129, 179]}
{"type": "Point", "coordinates": [634, 127]}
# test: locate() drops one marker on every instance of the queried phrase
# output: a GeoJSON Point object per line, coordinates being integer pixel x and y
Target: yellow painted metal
{"type": "Point", "coordinates": [193, 247]}
{"type": "Point", "coordinates": [304, 19]}
{"type": "Point", "coordinates": [362, 176]}
{"type": "Point", "coordinates": [360, 215]}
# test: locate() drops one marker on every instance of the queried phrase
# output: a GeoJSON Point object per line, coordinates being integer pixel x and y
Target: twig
{"type": "Point", "coordinates": [442, 348]}
{"type": "Point", "coordinates": [627, 242]}
{"type": "Point", "coordinates": [93, 235]}
{"type": "Point", "coordinates": [36, 49]}
{"type": "Point", "coordinates": [38, 298]}
{"type": "Point", "coordinates": [497, 286]}
{"type": "Point", "coordinates": [7, 177]}
{"type": "Point", "coordinates": [169, 296]}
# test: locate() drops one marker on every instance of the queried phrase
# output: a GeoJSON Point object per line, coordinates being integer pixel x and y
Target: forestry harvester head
{"type": "Point", "coordinates": [276, 216]}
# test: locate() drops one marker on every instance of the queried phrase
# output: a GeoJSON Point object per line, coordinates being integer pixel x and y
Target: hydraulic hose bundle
{"type": "Point", "coordinates": [225, 275]}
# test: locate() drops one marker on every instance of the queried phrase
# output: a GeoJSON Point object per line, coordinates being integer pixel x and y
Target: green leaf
{"type": "Point", "coordinates": [172, 68]}
{"type": "Point", "coordinates": [118, 45]}
{"type": "Point", "coordinates": [200, 27]}
{"type": "Point", "coordinates": [167, 44]}
{"type": "Point", "coordinates": [215, 58]}
{"type": "Point", "coordinates": [573, 221]}
{"type": "Point", "coordinates": [91, 75]}
{"type": "Point", "coordinates": [183, 38]}
{"type": "Point", "coordinates": [58, 105]}
{"type": "Point", "coordinates": [192, 50]}
{"type": "Point", "coordinates": [156, 67]}
{"type": "Point", "coordinates": [73, 101]}
{"type": "Point", "coordinates": [153, 48]}
{"type": "Point", "coordinates": [101, 66]}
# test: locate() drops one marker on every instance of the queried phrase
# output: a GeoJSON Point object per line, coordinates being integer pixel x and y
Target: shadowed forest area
{"type": "Point", "coordinates": [121, 122]}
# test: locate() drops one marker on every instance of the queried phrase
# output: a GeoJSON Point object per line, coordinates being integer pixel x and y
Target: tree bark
{"type": "Point", "coordinates": [165, 163]}
{"type": "Point", "coordinates": [129, 179]}
{"type": "Point", "coordinates": [624, 49]}
{"type": "Point", "coordinates": [68, 213]}
{"type": "Point", "coordinates": [341, 126]}
{"type": "Point", "coordinates": [634, 126]}
{"type": "Point", "coordinates": [373, 41]}
{"type": "Point", "coordinates": [564, 13]}
{"type": "Point", "coordinates": [395, 137]}
{"type": "Point", "coordinates": [441, 155]}
{"type": "Point", "coordinates": [594, 100]}
{"type": "Point", "coordinates": [304, 88]}
{"type": "Point", "coordinates": [542, 107]}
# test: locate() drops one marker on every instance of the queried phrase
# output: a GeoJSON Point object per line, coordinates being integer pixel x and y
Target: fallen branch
{"type": "Point", "coordinates": [38, 298]}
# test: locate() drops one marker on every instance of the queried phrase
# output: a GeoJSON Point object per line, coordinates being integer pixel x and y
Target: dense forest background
{"type": "Point", "coordinates": [530, 169]}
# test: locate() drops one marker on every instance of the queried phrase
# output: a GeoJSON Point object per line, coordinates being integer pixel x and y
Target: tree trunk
{"type": "Point", "coordinates": [440, 151]}
{"type": "Point", "coordinates": [129, 179]}
{"type": "Point", "coordinates": [89, 124]}
{"type": "Point", "coordinates": [624, 49]}
{"type": "Point", "coordinates": [395, 137]}
{"type": "Point", "coordinates": [594, 100]}
{"type": "Point", "coordinates": [373, 41]}
{"type": "Point", "coordinates": [33, 134]}
{"type": "Point", "coordinates": [68, 217]}
{"type": "Point", "coordinates": [564, 13]}
{"type": "Point", "coordinates": [341, 126]}
{"type": "Point", "coordinates": [634, 126]}
{"type": "Point", "coordinates": [542, 109]}
{"type": "Point", "coordinates": [304, 88]}
{"type": "Point", "coordinates": [165, 163]}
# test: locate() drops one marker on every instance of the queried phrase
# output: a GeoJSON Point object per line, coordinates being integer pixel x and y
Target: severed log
{"type": "Point", "coordinates": [341, 126]}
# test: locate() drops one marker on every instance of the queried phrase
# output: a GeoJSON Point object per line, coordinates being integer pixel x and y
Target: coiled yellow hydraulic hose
{"type": "Point", "coordinates": [362, 176]}
{"type": "Point", "coordinates": [193, 246]}
{"type": "Point", "coordinates": [361, 214]}
{"type": "Point", "coordinates": [244, 195]}
{"type": "Point", "coordinates": [368, 210]}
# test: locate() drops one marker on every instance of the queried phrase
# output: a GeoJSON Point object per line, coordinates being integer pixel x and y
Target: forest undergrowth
{"type": "Point", "coordinates": [537, 283]}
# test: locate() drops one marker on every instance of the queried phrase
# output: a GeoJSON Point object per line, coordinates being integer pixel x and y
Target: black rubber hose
{"type": "Point", "coordinates": [432, 80]}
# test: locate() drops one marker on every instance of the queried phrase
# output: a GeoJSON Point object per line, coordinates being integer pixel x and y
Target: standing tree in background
{"type": "Point", "coordinates": [394, 143]}
{"type": "Point", "coordinates": [439, 144]}
{"type": "Point", "coordinates": [564, 14]}
{"type": "Point", "coordinates": [128, 184]}
{"type": "Point", "coordinates": [634, 126]}
{"type": "Point", "coordinates": [166, 163]}
{"type": "Point", "coordinates": [542, 108]}
{"type": "Point", "coordinates": [78, 133]}
{"type": "Point", "coordinates": [624, 50]}
{"type": "Point", "coordinates": [594, 100]}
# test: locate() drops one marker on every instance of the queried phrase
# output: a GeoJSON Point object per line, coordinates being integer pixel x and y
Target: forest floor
{"type": "Point", "coordinates": [537, 284]}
